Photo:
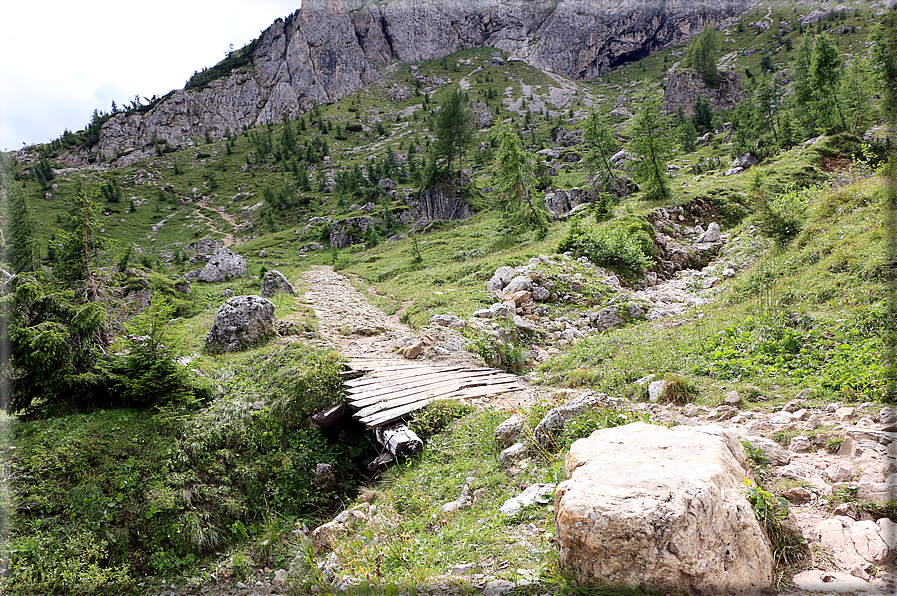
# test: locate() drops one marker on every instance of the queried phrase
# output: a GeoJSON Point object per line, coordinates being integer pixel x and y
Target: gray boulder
{"type": "Point", "coordinates": [745, 161]}
{"type": "Point", "coordinates": [447, 321]}
{"type": "Point", "coordinates": [521, 283]}
{"type": "Point", "coordinates": [241, 321]}
{"type": "Point", "coordinates": [274, 282]}
{"type": "Point", "coordinates": [508, 431]}
{"type": "Point", "coordinates": [551, 425]}
{"type": "Point", "coordinates": [712, 234]}
{"type": "Point", "coordinates": [223, 264]}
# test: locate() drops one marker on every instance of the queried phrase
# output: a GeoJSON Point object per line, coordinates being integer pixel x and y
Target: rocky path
{"type": "Point", "coordinates": [349, 323]}
{"type": "Point", "coordinates": [823, 461]}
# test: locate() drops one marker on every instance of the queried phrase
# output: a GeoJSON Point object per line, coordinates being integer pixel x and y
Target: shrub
{"type": "Point", "coordinates": [625, 243]}
{"type": "Point", "coordinates": [678, 390]}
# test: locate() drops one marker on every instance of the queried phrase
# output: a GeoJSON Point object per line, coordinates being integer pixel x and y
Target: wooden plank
{"type": "Point", "coordinates": [402, 396]}
{"type": "Point", "coordinates": [389, 366]}
{"type": "Point", "coordinates": [392, 414]}
{"type": "Point", "coordinates": [388, 416]}
{"type": "Point", "coordinates": [376, 378]}
{"type": "Point", "coordinates": [378, 406]}
{"type": "Point", "coordinates": [405, 396]}
{"type": "Point", "coordinates": [395, 386]}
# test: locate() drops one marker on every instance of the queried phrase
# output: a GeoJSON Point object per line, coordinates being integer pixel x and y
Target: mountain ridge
{"type": "Point", "coordinates": [329, 49]}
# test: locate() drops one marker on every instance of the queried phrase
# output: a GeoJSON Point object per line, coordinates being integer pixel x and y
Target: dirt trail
{"type": "Point", "coordinates": [350, 324]}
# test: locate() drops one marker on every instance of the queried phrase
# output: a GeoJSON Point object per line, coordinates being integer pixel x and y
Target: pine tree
{"type": "Point", "coordinates": [884, 36]}
{"type": "Point", "coordinates": [599, 148]}
{"type": "Point", "coordinates": [80, 241]}
{"type": "Point", "coordinates": [825, 73]}
{"type": "Point", "coordinates": [22, 249]}
{"type": "Point", "coordinates": [703, 115]}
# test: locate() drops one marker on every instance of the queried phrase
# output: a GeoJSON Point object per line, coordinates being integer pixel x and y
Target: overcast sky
{"type": "Point", "coordinates": [61, 59]}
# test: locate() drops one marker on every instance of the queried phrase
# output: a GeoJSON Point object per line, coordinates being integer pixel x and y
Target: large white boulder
{"type": "Point", "coordinates": [644, 504]}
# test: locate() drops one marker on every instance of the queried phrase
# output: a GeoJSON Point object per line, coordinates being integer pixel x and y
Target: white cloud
{"type": "Point", "coordinates": [63, 59]}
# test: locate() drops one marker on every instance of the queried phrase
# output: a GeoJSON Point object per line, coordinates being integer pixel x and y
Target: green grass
{"type": "Point", "coordinates": [119, 496]}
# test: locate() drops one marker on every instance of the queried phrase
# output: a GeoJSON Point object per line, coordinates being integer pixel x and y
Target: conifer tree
{"type": "Point", "coordinates": [824, 76]}
{"type": "Point", "coordinates": [652, 144]}
{"type": "Point", "coordinates": [600, 146]}
{"type": "Point", "coordinates": [513, 178]}
{"type": "Point", "coordinates": [702, 53]}
{"type": "Point", "coordinates": [453, 128]}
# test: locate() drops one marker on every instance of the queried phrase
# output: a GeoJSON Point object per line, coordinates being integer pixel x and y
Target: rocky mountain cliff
{"type": "Point", "coordinates": [331, 48]}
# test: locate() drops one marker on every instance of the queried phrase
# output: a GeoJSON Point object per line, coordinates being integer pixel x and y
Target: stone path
{"type": "Point", "coordinates": [349, 323]}
{"type": "Point", "coordinates": [835, 452]}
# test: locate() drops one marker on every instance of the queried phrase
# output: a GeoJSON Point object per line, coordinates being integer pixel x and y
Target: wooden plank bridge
{"type": "Point", "coordinates": [384, 391]}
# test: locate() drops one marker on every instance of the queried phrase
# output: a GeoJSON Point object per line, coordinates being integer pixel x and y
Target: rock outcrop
{"type": "Point", "coordinates": [644, 504]}
{"type": "Point", "coordinates": [435, 204]}
{"type": "Point", "coordinates": [684, 86]}
{"type": "Point", "coordinates": [241, 321]}
{"type": "Point", "coordinates": [274, 282]}
{"type": "Point", "coordinates": [330, 48]}
{"type": "Point", "coordinates": [223, 264]}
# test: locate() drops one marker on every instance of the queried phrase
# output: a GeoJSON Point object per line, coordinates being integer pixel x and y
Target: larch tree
{"type": "Point", "coordinates": [453, 127]}
{"type": "Point", "coordinates": [599, 148]}
{"type": "Point", "coordinates": [702, 53]}
{"type": "Point", "coordinates": [652, 144]}
{"type": "Point", "coordinates": [513, 181]}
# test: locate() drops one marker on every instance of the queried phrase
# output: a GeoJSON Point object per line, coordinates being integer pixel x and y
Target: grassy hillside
{"type": "Point", "coordinates": [216, 490]}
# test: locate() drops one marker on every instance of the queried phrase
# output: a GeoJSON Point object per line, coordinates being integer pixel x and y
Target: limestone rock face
{"type": "Point", "coordinates": [663, 507]}
{"type": "Point", "coordinates": [223, 264]}
{"type": "Point", "coordinates": [684, 86]}
{"type": "Point", "coordinates": [274, 282]}
{"type": "Point", "coordinates": [434, 204]}
{"type": "Point", "coordinates": [239, 322]}
{"type": "Point", "coordinates": [584, 39]}
{"type": "Point", "coordinates": [331, 48]}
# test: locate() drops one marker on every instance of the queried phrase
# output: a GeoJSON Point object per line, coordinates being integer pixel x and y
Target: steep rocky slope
{"type": "Point", "coordinates": [331, 48]}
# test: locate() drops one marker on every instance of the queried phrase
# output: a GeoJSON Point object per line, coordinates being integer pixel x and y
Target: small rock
{"type": "Point", "coordinates": [846, 509]}
{"type": "Point", "coordinates": [732, 398]}
{"type": "Point", "coordinates": [447, 321]}
{"type": "Point", "coordinates": [498, 310]}
{"type": "Point", "coordinates": [690, 410]}
{"type": "Point", "coordinates": [368, 496]}
{"type": "Point", "coordinates": [413, 351]}
{"type": "Point", "coordinates": [844, 414]}
{"type": "Point", "coordinates": [800, 444]}
{"type": "Point", "coordinates": [521, 283]}
{"type": "Point", "coordinates": [404, 342]}
{"type": "Point", "coordinates": [512, 454]}
{"type": "Point", "coordinates": [798, 494]}
{"type": "Point", "coordinates": [887, 418]}
{"type": "Point", "coordinates": [463, 569]}
{"type": "Point", "coordinates": [497, 587]}
{"type": "Point", "coordinates": [522, 323]}
{"type": "Point", "coordinates": [275, 282]}
{"type": "Point", "coordinates": [483, 313]}
{"type": "Point", "coordinates": [508, 431]}
{"type": "Point", "coordinates": [655, 390]}
{"type": "Point", "coordinates": [533, 493]}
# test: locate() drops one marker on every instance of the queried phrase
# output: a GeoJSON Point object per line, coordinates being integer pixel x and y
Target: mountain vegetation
{"type": "Point", "coordinates": [134, 459]}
